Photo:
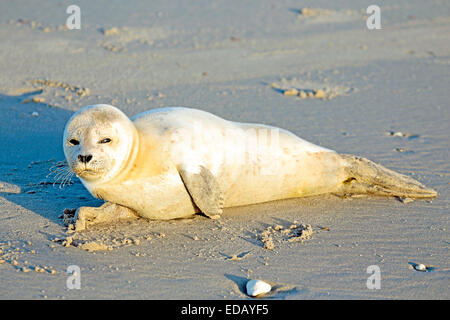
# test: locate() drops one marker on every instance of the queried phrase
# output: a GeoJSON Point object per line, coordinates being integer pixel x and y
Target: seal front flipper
{"type": "Point", "coordinates": [107, 213]}
{"type": "Point", "coordinates": [203, 189]}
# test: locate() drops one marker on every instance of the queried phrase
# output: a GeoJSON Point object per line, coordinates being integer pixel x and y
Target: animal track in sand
{"type": "Point", "coordinates": [17, 253]}
{"type": "Point", "coordinates": [120, 39]}
{"type": "Point", "coordinates": [296, 232]}
{"type": "Point", "coordinates": [310, 90]}
{"type": "Point", "coordinates": [37, 25]}
{"type": "Point", "coordinates": [319, 15]}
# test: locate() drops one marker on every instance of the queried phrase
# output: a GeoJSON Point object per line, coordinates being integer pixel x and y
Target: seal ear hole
{"type": "Point", "coordinates": [74, 142]}
{"type": "Point", "coordinates": [349, 180]}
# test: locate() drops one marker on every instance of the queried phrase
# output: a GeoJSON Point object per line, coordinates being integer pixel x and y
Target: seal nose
{"type": "Point", "coordinates": [84, 159]}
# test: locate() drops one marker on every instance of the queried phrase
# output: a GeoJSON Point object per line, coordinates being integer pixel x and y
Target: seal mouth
{"type": "Point", "coordinates": [89, 171]}
{"type": "Point", "coordinates": [86, 172]}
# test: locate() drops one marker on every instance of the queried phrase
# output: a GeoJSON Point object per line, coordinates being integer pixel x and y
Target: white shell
{"type": "Point", "coordinates": [420, 267]}
{"type": "Point", "coordinates": [257, 287]}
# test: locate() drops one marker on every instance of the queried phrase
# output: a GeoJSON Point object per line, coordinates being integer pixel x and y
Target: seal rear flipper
{"type": "Point", "coordinates": [365, 176]}
{"type": "Point", "coordinates": [204, 190]}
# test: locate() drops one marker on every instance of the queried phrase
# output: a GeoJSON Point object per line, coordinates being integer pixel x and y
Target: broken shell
{"type": "Point", "coordinates": [257, 287]}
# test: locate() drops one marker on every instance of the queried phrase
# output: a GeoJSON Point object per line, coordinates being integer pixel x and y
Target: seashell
{"type": "Point", "coordinates": [420, 267]}
{"type": "Point", "coordinates": [257, 287]}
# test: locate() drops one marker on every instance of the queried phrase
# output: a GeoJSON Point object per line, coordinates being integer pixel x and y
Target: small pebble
{"type": "Point", "coordinates": [110, 32]}
{"type": "Point", "coordinates": [67, 242]}
{"type": "Point", "coordinates": [38, 269]}
{"type": "Point", "coordinates": [319, 94]}
{"type": "Point", "coordinates": [303, 95]}
{"type": "Point", "coordinates": [291, 92]}
{"type": "Point", "coordinates": [38, 100]}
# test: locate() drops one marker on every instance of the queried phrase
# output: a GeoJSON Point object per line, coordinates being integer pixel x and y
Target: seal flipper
{"type": "Point", "coordinates": [365, 176]}
{"type": "Point", "coordinates": [204, 190]}
{"type": "Point", "coordinates": [106, 213]}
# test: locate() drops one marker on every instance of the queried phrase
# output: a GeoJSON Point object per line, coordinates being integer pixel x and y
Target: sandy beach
{"type": "Point", "coordinates": [384, 95]}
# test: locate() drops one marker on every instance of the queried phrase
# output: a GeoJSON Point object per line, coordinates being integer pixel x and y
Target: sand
{"type": "Point", "coordinates": [380, 94]}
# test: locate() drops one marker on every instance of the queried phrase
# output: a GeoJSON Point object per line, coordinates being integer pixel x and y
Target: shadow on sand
{"type": "Point", "coordinates": [30, 144]}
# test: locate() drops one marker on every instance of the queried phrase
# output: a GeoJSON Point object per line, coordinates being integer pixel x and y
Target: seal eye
{"type": "Point", "coordinates": [106, 140]}
{"type": "Point", "coordinates": [74, 142]}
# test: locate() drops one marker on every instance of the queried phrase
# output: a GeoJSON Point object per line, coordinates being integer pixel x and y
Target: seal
{"type": "Point", "coordinates": [175, 162]}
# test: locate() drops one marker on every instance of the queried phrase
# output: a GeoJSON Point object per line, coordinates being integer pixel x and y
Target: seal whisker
{"type": "Point", "coordinates": [61, 172]}
{"type": "Point", "coordinates": [67, 180]}
{"type": "Point", "coordinates": [60, 175]}
{"type": "Point", "coordinates": [63, 180]}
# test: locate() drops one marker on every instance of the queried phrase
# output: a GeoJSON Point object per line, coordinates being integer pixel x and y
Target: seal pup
{"type": "Point", "coordinates": [175, 162]}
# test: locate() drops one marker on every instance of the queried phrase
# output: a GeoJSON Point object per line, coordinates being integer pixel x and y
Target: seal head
{"type": "Point", "coordinates": [98, 142]}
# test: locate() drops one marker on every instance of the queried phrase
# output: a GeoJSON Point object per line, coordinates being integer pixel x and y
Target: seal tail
{"type": "Point", "coordinates": [365, 176]}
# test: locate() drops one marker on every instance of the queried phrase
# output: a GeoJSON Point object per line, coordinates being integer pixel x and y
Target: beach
{"type": "Point", "coordinates": [384, 95]}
